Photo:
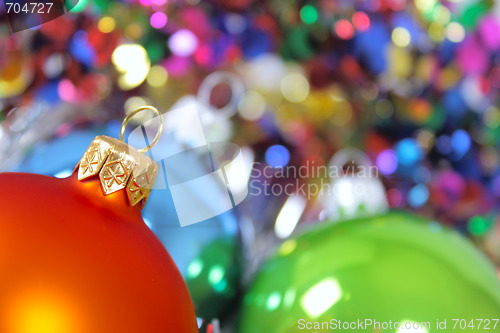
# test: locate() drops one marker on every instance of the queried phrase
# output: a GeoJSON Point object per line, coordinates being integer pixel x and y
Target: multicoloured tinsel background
{"type": "Point", "coordinates": [415, 85]}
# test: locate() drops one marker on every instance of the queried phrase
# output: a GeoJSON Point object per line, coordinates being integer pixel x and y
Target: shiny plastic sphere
{"type": "Point", "coordinates": [396, 267]}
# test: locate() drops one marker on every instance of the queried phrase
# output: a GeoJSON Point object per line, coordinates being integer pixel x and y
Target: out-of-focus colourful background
{"type": "Point", "coordinates": [412, 84]}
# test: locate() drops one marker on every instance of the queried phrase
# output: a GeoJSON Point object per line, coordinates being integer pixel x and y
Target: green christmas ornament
{"type": "Point", "coordinates": [395, 269]}
{"type": "Point", "coordinates": [213, 278]}
{"type": "Point", "coordinates": [368, 269]}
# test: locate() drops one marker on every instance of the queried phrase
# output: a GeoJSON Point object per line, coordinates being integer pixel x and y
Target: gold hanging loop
{"type": "Point", "coordinates": [133, 113]}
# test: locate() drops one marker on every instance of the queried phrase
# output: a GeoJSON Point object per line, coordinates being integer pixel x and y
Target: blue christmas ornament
{"type": "Point", "coordinates": [58, 157]}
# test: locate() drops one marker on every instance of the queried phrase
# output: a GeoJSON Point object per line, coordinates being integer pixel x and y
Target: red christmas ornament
{"type": "Point", "coordinates": [74, 260]}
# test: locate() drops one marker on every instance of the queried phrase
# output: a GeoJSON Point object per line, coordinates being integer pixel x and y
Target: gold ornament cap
{"type": "Point", "coordinates": [120, 166]}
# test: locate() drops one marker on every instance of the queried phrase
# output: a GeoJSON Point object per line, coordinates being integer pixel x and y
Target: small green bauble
{"type": "Point", "coordinates": [214, 278]}
{"type": "Point", "coordinates": [396, 268]}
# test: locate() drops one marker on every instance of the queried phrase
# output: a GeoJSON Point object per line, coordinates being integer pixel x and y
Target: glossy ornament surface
{"type": "Point", "coordinates": [214, 276]}
{"type": "Point", "coordinates": [76, 261]}
{"type": "Point", "coordinates": [395, 267]}
{"type": "Point", "coordinates": [58, 156]}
